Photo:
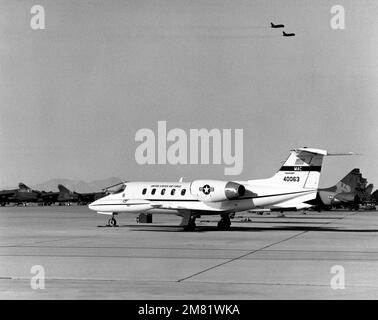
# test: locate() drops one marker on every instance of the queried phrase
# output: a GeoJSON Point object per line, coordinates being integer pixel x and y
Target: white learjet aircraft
{"type": "Point", "coordinates": [293, 185]}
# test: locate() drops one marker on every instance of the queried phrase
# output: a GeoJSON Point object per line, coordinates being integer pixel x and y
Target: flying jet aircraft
{"type": "Point", "coordinates": [274, 26]}
{"type": "Point", "coordinates": [287, 34]}
{"type": "Point", "coordinates": [295, 183]}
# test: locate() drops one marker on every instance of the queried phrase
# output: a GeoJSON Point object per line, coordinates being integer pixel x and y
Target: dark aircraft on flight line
{"type": "Point", "coordinates": [80, 198]}
{"type": "Point", "coordinates": [375, 196]}
{"type": "Point", "coordinates": [24, 195]}
{"type": "Point", "coordinates": [5, 195]}
{"type": "Point", "coordinates": [346, 193]}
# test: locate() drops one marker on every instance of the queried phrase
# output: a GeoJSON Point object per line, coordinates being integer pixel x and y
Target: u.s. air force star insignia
{"type": "Point", "coordinates": [206, 189]}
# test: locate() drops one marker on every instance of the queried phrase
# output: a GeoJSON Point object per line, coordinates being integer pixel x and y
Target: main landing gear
{"type": "Point", "coordinates": [189, 222]}
{"type": "Point", "coordinates": [112, 222]}
{"type": "Point", "coordinates": [191, 225]}
{"type": "Point", "coordinates": [225, 222]}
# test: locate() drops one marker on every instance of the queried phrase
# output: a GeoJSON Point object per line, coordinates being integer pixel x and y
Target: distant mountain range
{"type": "Point", "coordinates": [75, 185]}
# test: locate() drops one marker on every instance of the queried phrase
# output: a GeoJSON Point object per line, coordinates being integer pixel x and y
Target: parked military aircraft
{"type": "Point", "coordinates": [85, 198]}
{"type": "Point", "coordinates": [5, 195]}
{"type": "Point", "coordinates": [367, 199]}
{"type": "Point", "coordinates": [365, 194]}
{"type": "Point", "coordinates": [49, 198]}
{"type": "Point", "coordinates": [24, 195]}
{"type": "Point", "coordinates": [375, 196]}
{"type": "Point", "coordinates": [81, 198]}
{"type": "Point", "coordinates": [293, 185]}
{"type": "Point", "coordinates": [66, 195]}
{"type": "Point", "coordinates": [346, 193]}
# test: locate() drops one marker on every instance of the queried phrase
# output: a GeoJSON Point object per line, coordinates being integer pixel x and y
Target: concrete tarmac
{"type": "Point", "coordinates": [268, 257]}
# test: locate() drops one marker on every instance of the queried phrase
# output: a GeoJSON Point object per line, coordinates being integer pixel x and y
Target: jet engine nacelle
{"type": "Point", "coordinates": [216, 190]}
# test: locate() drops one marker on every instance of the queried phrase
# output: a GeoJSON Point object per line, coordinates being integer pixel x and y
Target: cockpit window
{"type": "Point", "coordinates": [120, 189]}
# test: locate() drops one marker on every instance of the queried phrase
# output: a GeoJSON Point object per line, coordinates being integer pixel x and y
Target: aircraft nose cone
{"type": "Point", "coordinates": [92, 205]}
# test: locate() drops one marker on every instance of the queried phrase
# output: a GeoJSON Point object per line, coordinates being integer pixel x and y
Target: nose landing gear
{"type": "Point", "coordinates": [112, 222]}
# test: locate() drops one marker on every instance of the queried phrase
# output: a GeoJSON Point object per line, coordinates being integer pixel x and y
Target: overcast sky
{"type": "Point", "coordinates": [72, 96]}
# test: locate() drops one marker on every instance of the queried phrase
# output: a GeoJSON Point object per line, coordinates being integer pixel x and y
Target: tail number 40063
{"type": "Point", "coordinates": [291, 179]}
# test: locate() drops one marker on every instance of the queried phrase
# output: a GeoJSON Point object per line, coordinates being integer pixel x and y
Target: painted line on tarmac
{"type": "Point", "coordinates": [240, 257]}
{"type": "Point", "coordinates": [257, 250]}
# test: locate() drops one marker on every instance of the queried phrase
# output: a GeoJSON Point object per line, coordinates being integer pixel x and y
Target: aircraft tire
{"type": "Point", "coordinates": [112, 222]}
{"type": "Point", "coordinates": [191, 226]}
{"type": "Point", "coordinates": [224, 225]}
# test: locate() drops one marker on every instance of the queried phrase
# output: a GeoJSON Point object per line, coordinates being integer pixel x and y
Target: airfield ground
{"type": "Point", "coordinates": [268, 258]}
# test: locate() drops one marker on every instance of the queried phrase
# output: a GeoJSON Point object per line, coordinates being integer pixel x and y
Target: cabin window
{"type": "Point", "coordinates": [153, 191]}
{"type": "Point", "coordinates": [144, 191]}
{"type": "Point", "coordinates": [173, 192]}
{"type": "Point", "coordinates": [162, 191]}
{"type": "Point", "coordinates": [183, 192]}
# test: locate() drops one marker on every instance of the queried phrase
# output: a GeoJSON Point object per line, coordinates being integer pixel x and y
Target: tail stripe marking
{"type": "Point", "coordinates": [300, 168]}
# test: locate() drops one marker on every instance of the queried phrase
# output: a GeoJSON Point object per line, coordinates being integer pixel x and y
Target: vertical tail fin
{"type": "Point", "coordinates": [349, 183]}
{"type": "Point", "coordinates": [369, 189]}
{"type": "Point", "coordinates": [375, 195]}
{"type": "Point", "coordinates": [23, 186]}
{"type": "Point", "coordinates": [301, 170]}
{"type": "Point", "coordinates": [63, 189]}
